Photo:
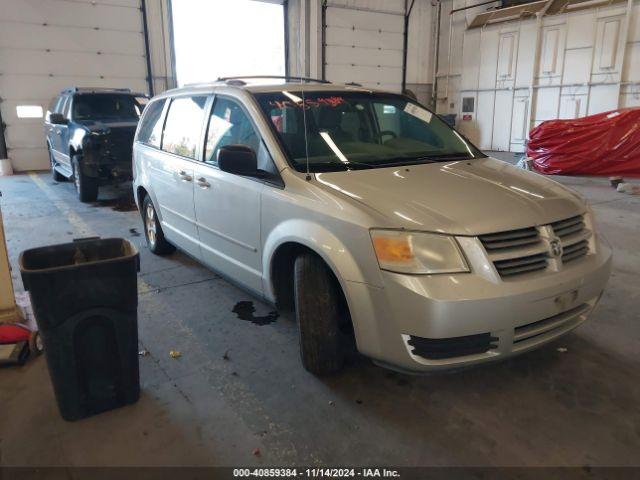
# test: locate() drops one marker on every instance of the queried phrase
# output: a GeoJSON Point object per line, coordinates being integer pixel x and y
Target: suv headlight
{"type": "Point", "coordinates": [417, 252]}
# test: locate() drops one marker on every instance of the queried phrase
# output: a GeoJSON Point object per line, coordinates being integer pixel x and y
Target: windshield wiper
{"type": "Point", "coordinates": [448, 156]}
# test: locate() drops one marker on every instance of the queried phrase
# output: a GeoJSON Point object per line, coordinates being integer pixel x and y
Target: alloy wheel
{"type": "Point", "coordinates": [150, 224]}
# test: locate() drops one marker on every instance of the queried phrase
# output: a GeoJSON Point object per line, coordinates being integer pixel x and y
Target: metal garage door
{"type": "Point", "coordinates": [47, 45]}
{"type": "Point", "coordinates": [364, 46]}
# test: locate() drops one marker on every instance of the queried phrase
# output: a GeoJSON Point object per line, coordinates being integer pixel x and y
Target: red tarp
{"type": "Point", "coordinates": [603, 144]}
{"type": "Point", "coordinates": [13, 333]}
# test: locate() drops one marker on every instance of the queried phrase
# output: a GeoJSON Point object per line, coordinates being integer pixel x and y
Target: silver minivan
{"type": "Point", "coordinates": [368, 216]}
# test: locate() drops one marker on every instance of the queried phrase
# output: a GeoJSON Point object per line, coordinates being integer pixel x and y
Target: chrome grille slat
{"type": "Point", "coordinates": [511, 253]}
{"type": "Point", "coordinates": [516, 262]}
{"type": "Point", "coordinates": [575, 251]}
{"type": "Point", "coordinates": [559, 225]}
{"type": "Point", "coordinates": [565, 231]}
{"type": "Point", "coordinates": [576, 238]}
{"type": "Point", "coordinates": [524, 269]}
{"type": "Point", "coordinates": [510, 243]}
{"type": "Point", "coordinates": [510, 239]}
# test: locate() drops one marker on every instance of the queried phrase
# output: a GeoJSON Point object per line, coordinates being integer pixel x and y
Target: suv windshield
{"type": "Point", "coordinates": [102, 106]}
{"type": "Point", "coordinates": [360, 130]}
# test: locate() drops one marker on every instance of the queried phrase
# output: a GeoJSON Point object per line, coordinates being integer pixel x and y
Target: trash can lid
{"type": "Point", "coordinates": [76, 254]}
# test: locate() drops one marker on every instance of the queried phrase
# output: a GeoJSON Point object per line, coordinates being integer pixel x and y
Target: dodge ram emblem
{"type": "Point", "coordinates": [556, 247]}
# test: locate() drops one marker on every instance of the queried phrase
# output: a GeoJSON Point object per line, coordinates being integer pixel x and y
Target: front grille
{"type": "Point", "coordinates": [570, 226]}
{"type": "Point", "coordinates": [516, 251]}
{"type": "Point", "coordinates": [522, 251]}
{"type": "Point", "coordinates": [441, 348]}
{"type": "Point", "coordinates": [575, 251]}
{"type": "Point", "coordinates": [510, 239]}
{"type": "Point", "coordinates": [117, 145]}
{"type": "Point", "coordinates": [520, 265]}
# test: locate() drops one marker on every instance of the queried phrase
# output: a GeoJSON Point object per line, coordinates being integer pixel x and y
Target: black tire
{"type": "Point", "coordinates": [153, 230]}
{"type": "Point", "coordinates": [319, 313]}
{"type": "Point", "coordinates": [87, 187]}
{"type": "Point", "coordinates": [57, 176]}
{"type": "Point", "coordinates": [36, 347]}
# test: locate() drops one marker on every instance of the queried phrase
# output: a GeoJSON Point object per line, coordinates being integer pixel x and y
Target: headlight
{"type": "Point", "coordinates": [417, 252]}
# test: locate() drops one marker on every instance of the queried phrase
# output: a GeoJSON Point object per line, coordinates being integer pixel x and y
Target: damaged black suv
{"type": "Point", "coordinates": [90, 135]}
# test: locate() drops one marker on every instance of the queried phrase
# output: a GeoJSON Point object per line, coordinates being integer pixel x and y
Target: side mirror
{"type": "Point", "coordinates": [57, 119]}
{"type": "Point", "coordinates": [239, 160]}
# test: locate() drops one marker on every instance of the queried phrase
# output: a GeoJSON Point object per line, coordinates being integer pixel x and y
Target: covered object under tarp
{"type": "Point", "coordinates": [603, 144]}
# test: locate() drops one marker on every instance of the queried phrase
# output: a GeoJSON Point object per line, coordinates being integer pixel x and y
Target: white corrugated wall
{"type": "Point", "coordinates": [586, 65]}
{"type": "Point", "coordinates": [48, 45]}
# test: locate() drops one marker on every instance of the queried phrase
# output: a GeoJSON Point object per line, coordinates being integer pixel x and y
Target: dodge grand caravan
{"type": "Point", "coordinates": [368, 216]}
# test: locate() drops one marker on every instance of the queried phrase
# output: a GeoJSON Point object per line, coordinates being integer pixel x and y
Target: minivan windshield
{"type": "Point", "coordinates": [106, 106]}
{"type": "Point", "coordinates": [347, 130]}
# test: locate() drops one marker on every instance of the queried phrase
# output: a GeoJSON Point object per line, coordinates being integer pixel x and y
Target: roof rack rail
{"type": "Point", "coordinates": [239, 79]}
{"type": "Point", "coordinates": [94, 89]}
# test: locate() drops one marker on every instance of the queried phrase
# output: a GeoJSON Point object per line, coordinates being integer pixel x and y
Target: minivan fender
{"type": "Point", "coordinates": [318, 239]}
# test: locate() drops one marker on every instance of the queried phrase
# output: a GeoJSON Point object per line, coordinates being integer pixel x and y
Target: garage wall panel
{"type": "Point", "coordinates": [486, 102]}
{"type": "Point", "coordinates": [364, 46]}
{"type": "Point", "coordinates": [489, 58]}
{"type": "Point", "coordinates": [577, 66]}
{"type": "Point", "coordinates": [585, 65]}
{"type": "Point", "coordinates": [519, 122]}
{"type": "Point", "coordinates": [70, 64]}
{"type": "Point", "coordinates": [527, 38]}
{"type": "Point", "coordinates": [73, 14]}
{"type": "Point", "coordinates": [502, 121]}
{"type": "Point", "coordinates": [49, 45]}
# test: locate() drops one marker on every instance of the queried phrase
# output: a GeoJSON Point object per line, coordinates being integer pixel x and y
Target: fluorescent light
{"type": "Point", "coordinates": [29, 111]}
{"type": "Point", "coordinates": [327, 138]}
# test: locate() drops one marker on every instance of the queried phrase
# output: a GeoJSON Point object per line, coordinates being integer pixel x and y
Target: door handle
{"type": "Point", "coordinates": [202, 182]}
{"type": "Point", "coordinates": [185, 176]}
{"type": "Point", "coordinates": [58, 132]}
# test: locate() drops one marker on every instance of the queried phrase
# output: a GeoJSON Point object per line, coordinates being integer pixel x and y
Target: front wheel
{"type": "Point", "coordinates": [319, 311]}
{"type": "Point", "coordinates": [153, 230]}
{"type": "Point", "coordinates": [87, 187]}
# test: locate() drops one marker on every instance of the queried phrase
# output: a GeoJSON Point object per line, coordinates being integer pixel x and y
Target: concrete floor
{"type": "Point", "coordinates": [544, 408]}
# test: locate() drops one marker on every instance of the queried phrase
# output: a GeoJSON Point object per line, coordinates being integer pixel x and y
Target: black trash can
{"type": "Point", "coordinates": [85, 297]}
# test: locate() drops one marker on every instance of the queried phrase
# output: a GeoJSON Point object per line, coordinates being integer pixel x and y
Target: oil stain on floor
{"type": "Point", "coordinates": [245, 311]}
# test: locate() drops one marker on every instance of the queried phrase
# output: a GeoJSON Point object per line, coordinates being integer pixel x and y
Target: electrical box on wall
{"type": "Point", "coordinates": [468, 106]}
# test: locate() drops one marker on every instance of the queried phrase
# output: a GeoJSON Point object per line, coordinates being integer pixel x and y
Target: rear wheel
{"type": "Point", "coordinates": [319, 312]}
{"type": "Point", "coordinates": [57, 176]}
{"type": "Point", "coordinates": [87, 187]}
{"type": "Point", "coordinates": [153, 230]}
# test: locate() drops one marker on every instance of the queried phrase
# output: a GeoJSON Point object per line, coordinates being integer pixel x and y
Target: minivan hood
{"type": "Point", "coordinates": [468, 197]}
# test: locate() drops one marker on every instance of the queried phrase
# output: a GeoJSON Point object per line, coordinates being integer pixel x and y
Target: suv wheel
{"type": "Point", "coordinates": [318, 301]}
{"type": "Point", "coordinates": [153, 230]}
{"type": "Point", "coordinates": [57, 176]}
{"type": "Point", "coordinates": [87, 187]}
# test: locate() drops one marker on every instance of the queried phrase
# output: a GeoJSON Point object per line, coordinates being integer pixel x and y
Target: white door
{"type": "Point", "coordinates": [172, 171]}
{"type": "Point", "coordinates": [49, 45]}
{"type": "Point", "coordinates": [365, 46]}
{"type": "Point", "coordinates": [228, 206]}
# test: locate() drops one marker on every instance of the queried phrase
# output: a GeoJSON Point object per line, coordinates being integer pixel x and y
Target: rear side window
{"type": "Point", "coordinates": [184, 125]}
{"type": "Point", "coordinates": [151, 126]}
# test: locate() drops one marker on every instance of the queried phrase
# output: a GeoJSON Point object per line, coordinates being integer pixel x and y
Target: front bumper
{"type": "Point", "coordinates": [517, 315]}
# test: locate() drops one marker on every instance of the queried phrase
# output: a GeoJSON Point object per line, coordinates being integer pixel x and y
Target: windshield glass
{"type": "Point", "coordinates": [360, 130]}
{"type": "Point", "coordinates": [103, 106]}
